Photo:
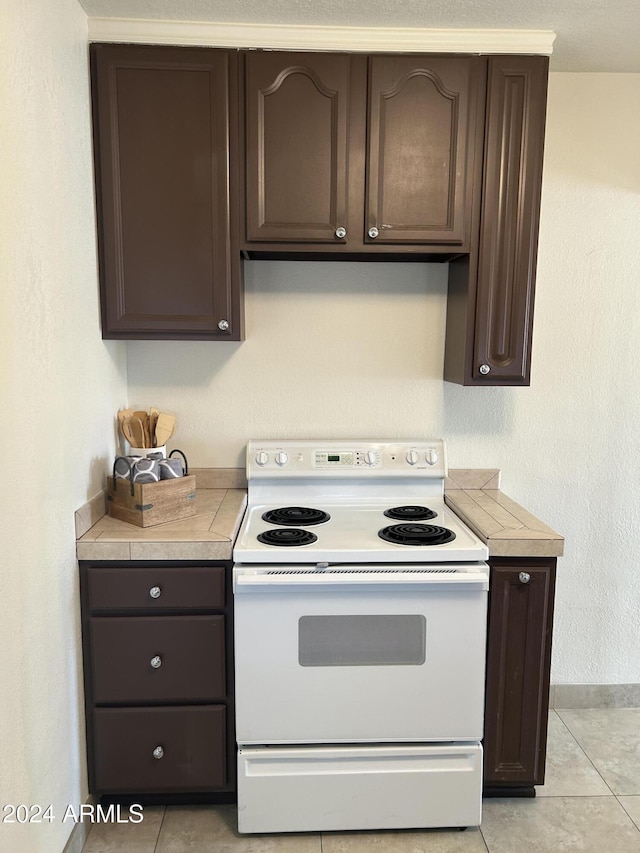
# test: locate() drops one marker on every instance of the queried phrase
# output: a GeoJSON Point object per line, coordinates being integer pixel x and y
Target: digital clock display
{"type": "Point", "coordinates": [333, 457]}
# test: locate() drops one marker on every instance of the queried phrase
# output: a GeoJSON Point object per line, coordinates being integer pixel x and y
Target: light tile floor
{"type": "Point", "coordinates": [590, 803]}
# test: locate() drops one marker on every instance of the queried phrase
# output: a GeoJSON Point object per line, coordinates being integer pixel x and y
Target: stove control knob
{"type": "Point", "coordinates": [412, 457]}
{"type": "Point", "coordinates": [282, 458]}
{"type": "Point", "coordinates": [431, 457]}
{"type": "Point", "coordinates": [262, 458]}
{"type": "Point", "coordinates": [370, 457]}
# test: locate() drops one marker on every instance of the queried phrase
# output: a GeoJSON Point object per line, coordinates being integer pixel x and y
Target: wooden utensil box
{"type": "Point", "coordinates": [152, 503]}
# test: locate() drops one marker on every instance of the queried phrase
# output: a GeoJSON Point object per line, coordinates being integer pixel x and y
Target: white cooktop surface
{"type": "Point", "coordinates": [351, 535]}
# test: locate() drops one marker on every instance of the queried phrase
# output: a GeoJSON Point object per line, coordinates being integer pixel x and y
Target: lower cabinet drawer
{"type": "Point", "coordinates": [157, 659]}
{"type": "Point", "coordinates": [158, 750]}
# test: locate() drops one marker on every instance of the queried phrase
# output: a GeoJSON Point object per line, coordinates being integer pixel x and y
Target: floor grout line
{"type": "Point", "coordinates": [634, 822]}
{"type": "Point", "coordinates": [584, 752]}
{"type": "Point", "coordinates": [164, 814]}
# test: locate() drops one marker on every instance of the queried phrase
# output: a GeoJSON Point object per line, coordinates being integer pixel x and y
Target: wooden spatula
{"type": "Point", "coordinates": [153, 420]}
{"type": "Point", "coordinates": [142, 417]}
{"type": "Point", "coordinates": [164, 429]}
{"type": "Point", "coordinates": [123, 415]}
{"type": "Point", "coordinates": [129, 433]}
{"type": "Point", "coordinates": [137, 429]}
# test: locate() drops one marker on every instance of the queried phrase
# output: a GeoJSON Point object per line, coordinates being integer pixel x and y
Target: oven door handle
{"type": "Point", "coordinates": [344, 577]}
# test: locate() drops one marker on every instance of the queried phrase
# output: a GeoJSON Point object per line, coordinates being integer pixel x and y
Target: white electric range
{"type": "Point", "coordinates": [360, 620]}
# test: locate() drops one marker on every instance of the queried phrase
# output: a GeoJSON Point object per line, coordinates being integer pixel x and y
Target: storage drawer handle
{"type": "Point", "coordinates": [158, 752]}
{"type": "Point", "coordinates": [524, 577]}
{"type": "Point", "coordinates": [155, 592]}
{"type": "Point", "coordinates": [156, 662]}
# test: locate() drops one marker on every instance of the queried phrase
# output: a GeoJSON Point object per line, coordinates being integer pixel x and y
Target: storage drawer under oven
{"type": "Point", "coordinates": [155, 750]}
{"type": "Point", "coordinates": [157, 659]}
{"type": "Point", "coordinates": [307, 789]}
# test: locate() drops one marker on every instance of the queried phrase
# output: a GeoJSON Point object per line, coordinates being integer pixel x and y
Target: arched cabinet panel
{"type": "Point", "coordinates": [421, 148]}
{"type": "Point", "coordinates": [354, 154]}
{"type": "Point", "coordinates": [296, 145]}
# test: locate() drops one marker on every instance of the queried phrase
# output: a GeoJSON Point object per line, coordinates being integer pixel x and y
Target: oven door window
{"type": "Point", "coordinates": [362, 640]}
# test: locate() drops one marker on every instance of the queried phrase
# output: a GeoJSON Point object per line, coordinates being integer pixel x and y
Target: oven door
{"type": "Point", "coordinates": [359, 654]}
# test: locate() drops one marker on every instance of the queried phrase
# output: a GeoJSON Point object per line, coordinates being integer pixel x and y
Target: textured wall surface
{"type": "Point", "coordinates": [603, 37]}
{"type": "Point", "coordinates": [340, 349]}
{"type": "Point", "coordinates": [59, 387]}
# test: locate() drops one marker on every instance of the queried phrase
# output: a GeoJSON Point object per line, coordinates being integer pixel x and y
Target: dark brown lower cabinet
{"type": "Point", "coordinates": [518, 664]}
{"type": "Point", "coordinates": [149, 750]}
{"type": "Point", "coordinates": [158, 677]}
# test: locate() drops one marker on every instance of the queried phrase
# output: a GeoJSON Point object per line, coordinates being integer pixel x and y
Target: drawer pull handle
{"type": "Point", "coordinates": [158, 752]}
{"type": "Point", "coordinates": [156, 662]}
{"type": "Point", "coordinates": [155, 592]}
{"type": "Point", "coordinates": [524, 577]}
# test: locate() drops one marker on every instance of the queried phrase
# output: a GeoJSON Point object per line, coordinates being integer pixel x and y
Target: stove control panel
{"type": "Point", "coordinates": [346, 458]}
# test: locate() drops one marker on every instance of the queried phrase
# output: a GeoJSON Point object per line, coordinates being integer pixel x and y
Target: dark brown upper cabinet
{"type": "Point", "coordinates": [297, 116]}
{"type": "Point", "coordinates": [491, 290]}
{"type": "Point", "coordinates": [165, 139]}
{"type": "Point", "coordinates": [348, 154]}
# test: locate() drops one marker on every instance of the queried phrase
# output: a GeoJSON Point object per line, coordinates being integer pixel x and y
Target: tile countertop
{"type": "Point", "coordinates": [508, 529]}
{"type": "Point", "coordinates": [207, 535]}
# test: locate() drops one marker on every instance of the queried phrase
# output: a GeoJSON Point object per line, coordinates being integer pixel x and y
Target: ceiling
{"type": "Point", "coordinates": [591, 35]}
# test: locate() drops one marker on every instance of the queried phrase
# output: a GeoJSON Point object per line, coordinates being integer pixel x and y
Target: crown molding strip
{"type": "Point", "coordinates": [294, 37]}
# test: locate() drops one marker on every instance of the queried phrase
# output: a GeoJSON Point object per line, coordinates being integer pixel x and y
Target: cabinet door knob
{"type": "Point", "coordinates": [158, 752]}
{"type": "Point", "coordinates": [223, 325]}
{"type": "Point", "coordinates": [484, 369]}
{"type": "Point", "coordinates": [341, 232]}
{"type": "Point", "coordinates": [373, 232]}
{"type": "Point", "coordinates": [524, 577]}
{"type": "Point", "coordinates": [156, 662]}
{"type": "Point", "coordinates": [155, 592]}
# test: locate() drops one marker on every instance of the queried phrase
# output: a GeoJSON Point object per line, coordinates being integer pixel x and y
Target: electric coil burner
{"type": "Point", "coordinates": [416, 534]}
{"type": "Point", "coordinates": [410, 513]}
{"type": "Point", "coordinates": [296, 515]}
{"type": "Point", "coordinates": [359, 643]}
{"type": "Point", "coordinates": [287, 537]}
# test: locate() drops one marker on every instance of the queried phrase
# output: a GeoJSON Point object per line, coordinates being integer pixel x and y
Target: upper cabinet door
{"type": "Point", "coordinates": [168, 266]}
{"type": "Point", "coordinates": [424, 124]}
{"type": "Point", "coordinates": [514, 141]}
{"type": "Point", "coordinates": [296, 146]}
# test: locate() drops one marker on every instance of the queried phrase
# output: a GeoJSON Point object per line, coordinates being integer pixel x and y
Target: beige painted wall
{"type": "Point", "coordinates": [59, 387]}
{"type": "Point", "coordinates": [340, 349]}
